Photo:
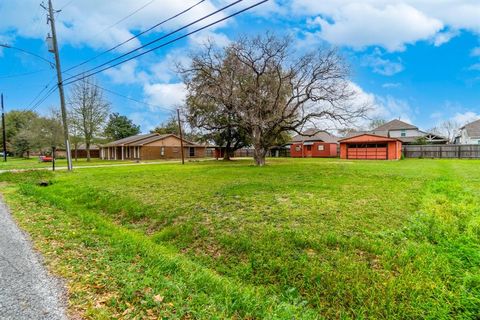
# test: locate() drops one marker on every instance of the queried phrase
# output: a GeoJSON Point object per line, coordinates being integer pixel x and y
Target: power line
{"type": "Point", "coordinates": [41, 91]}
{"type": "Point", "coordinates": [48, 94]}
{"type": "Point", "coordinates": [164, 44]}
{"type": "Point", "coordinates": [21, 74]}
{"type": "Point", "coordinates": [127, 16]}
{"type": "Point", "coordinates": [136, 36]}
{"type": "Point", "coordinates": [130, 98]}
{"type": "Point", "coordinates": [28, 52]}
{"type": "Point", "coordinates": [162, 37]}
{"type": "Point", "coordinates": [66, 5]}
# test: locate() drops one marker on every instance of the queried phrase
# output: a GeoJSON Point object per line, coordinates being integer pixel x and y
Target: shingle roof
{"type": "Point", "coordinates": [315, 135]}
{"type": "Point", "coordinates": [143, 139]}
{"type": "Point", "coordinates": [374, 132]}
{"type": "Point", "coordinates": [395, 125]}
{"type": "Point", "coordinates": [472, 128]}
{"type": "Point", "coordinates": [130, 139]}
{"type": "Point", "coordinates": [367, 137]}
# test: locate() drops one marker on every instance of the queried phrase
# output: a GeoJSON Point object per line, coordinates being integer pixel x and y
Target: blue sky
{"type": "Point", "coordinates": [414, 59]}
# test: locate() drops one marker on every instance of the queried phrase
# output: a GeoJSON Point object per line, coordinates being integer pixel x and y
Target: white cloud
{"type": "Point", "coordinates": [387, 23]}
{"type": "Point", "coordinates": [466, 117]}
{"type": "Point", "coordinates": [92, 23]}
{"type": "Point", "coordinates": [201, 38]}
{"type": "Point", "coordinates": [475, 67]}
{"type": "Point", "coordinates": [392, 26]}
{"type": "Point", "coordinates": [391, 85]}
{"type": "Point", "coordinates": [387, 108]}
{"type": "Point", "coordinates": [444, 37]}
{"type": "Point", "coordinates": [147, 120]}
{"type": "Point", "coordinates": [165, 95]}
{"type": "Point", "coordinates": [127, 73]}
{"type": "Point", "coordinates": [382, 66]}
{"type": "Point", "coordinates": [475, 52]}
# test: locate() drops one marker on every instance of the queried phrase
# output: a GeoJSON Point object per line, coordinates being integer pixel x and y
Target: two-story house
{"type": "Point", "coordinates": [408, 133]}
{"type": "Point", "coordinates": [469, 133]}
{"type": "Point", "coordinates": [405, 132]}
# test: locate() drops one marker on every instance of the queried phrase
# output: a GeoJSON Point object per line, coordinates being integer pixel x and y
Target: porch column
{"type": "Point", "coordinates": [123, 153]}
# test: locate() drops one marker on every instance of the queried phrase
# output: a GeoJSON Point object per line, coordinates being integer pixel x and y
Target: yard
{"type": "Point", "coordinates": [34, 163]}
{"type": "Point", "coordinates": [298, 239]}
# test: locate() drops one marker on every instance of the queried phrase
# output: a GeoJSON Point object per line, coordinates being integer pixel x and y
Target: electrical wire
{"type": "Point", "coordinates": [164, 44]}
{"type": "Point", "coordinates": [48, 94]}
{"type": "Point", "coordinates": [160, 38]}
{"type": "Point", "coordinates": [127, 16]}
{"type": "Point", "coordinates": [136, 36]}
{"type": "Point", "coordinates": [9, 76]}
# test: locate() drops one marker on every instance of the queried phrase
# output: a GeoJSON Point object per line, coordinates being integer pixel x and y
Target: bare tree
{"type": "Point", "coordinates": [268, 90]}
{"type": "Point", "coordinates": [88, 109]}
{"type": "Point", "coordinates": [447, 129]}
{"type": "Point", "coordinates": [211, 101]}
{"type": "Point", "coordinates": [75, 131]}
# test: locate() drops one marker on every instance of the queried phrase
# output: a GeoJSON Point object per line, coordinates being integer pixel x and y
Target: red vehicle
{"type": "Point", "coordinates": [45, 159]}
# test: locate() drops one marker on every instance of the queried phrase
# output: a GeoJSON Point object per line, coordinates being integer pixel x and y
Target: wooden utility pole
{"type": "Point", "coordinates": [4, 135]}
{"type": "Point", "coordinates": [54, 49]}
{"type": "Point", "coordinates": [181, 135]}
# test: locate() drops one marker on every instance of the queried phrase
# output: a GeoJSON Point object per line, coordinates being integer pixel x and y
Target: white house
{"type": "Point", "coordinates": [405, 132]}
{"type": "Point", "coordinates": [469, 133]}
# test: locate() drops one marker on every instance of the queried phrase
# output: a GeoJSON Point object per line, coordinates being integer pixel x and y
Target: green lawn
{"type": "Point", "coordinates": [34, 163]}
{"type": "Point", "coordinates": [298, 239]}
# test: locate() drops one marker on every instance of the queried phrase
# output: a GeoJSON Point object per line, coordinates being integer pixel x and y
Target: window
{"type": "Point", "coordinates": [192, 152]}
{"type": "Point", "coordinates": [309, 148]}
{"type": "Point", "coordinates": [298, 148]}
{"type": "Point", "coordinates": [162, 151]}
{"type": "Point", "coordinates": [403, 133]}
{"type": "Point", "coordinates": [321, 147]}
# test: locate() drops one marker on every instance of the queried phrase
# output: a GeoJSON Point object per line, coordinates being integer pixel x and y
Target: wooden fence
{"type": "Point", "coordinates": [450, 151]}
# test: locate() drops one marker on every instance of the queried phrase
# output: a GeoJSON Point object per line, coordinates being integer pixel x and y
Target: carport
{"type": "Point", "coordinates": [370, 147]}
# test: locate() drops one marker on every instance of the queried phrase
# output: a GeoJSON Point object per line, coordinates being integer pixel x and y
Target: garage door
{"type": "Point", "coordinates": [367, 151]}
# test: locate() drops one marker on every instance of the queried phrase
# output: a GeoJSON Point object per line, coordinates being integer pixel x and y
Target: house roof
{"type": "Point", "coordinates": [472, 128]}
{"type": "Point", "coordinates": [143, 139]}
{"type": "Point", "coordinates": [130, 139]}
{"type": "Point", "coordinates": [395, 125]}
{"type": "Point", "coordinates": [373, 132]}
{"type": "Point", "coordinates": [315, 135]}
{"type": "Point", "coordinates": [367, 137]}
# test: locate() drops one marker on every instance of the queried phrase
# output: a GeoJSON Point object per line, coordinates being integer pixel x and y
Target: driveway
{"type": "Point", "coordinates": [27, 290]}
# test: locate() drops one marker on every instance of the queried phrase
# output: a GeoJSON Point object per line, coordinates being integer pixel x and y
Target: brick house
{"type": "Point", "coordinates": [152, 146]}
{"type": "Point", "coordinates": [314, 144]}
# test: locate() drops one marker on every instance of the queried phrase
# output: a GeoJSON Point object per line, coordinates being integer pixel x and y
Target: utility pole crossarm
{"type": "Point", "coordinates": [51, 19]}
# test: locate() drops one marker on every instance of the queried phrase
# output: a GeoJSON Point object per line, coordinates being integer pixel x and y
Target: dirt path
{"type": "Point", "coordinates": [27, 291]}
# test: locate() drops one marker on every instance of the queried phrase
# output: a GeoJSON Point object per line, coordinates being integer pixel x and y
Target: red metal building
{"type": "Point", "coordinates": [370, 147]}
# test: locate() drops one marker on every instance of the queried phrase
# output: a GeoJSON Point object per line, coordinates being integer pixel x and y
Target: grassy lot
{"type": "Point", "coordinates": [34, 163]}
{"type": "Point", "coordinates": [302, 239]}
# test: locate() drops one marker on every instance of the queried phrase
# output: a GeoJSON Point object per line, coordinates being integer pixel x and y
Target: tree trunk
{"type": "Point", "coordinates": [259, 154]}
{"type": "Point", "coordinates": [227, 152]}
{"type": "Point", "coordinates": [87, 147]}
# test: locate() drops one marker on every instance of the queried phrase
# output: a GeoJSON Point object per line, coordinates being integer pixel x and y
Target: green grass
{"type": "Point", "coordinates": [34, 163]}
{"type": "Point", "coordinates": [300, 238]}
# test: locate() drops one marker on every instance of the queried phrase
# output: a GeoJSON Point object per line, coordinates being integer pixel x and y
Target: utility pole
{"type": "Point", "coordinates": [181, 135]}
{"type": "Point", "coordinates": [4, 135]}
{"type": "Point", "coordinates": [54, 49]}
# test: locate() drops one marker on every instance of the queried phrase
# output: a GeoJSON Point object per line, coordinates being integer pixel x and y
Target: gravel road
{"type": "Point", "coordinates": [27, 290]}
